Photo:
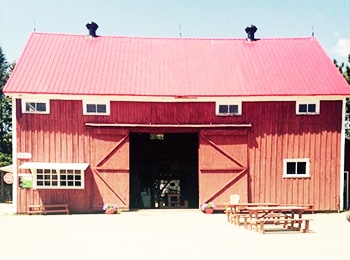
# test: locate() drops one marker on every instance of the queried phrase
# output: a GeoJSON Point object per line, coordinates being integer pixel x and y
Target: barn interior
{"type": "Point", "coordinates": [163, 170]}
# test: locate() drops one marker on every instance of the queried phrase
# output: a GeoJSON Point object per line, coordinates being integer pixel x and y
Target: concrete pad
{"type": "Point", "coordinates": [166, 234]}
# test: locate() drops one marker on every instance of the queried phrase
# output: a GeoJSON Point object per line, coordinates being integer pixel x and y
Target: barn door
{"type": "Point", "coordinates": [223, 170]}
{"type": "Point", "coordinates": [110, 166]}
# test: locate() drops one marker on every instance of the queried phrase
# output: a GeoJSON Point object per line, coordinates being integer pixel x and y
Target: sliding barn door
{"type": "Point", "coordinates": [223, 170]}
{"type": "Point", "coordinates": [110, 167]}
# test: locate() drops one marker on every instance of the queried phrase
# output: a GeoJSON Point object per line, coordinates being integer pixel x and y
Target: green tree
{"type": "Point", "coordinates": [5, 113]}
{"type": "Point", "coordinates": [5, 126]}
{"type": "Point", "coordinates": [344, 69]}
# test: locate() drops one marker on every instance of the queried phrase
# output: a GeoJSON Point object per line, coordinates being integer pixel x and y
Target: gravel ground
{"type": "Point", "coordinates": [165, 234]}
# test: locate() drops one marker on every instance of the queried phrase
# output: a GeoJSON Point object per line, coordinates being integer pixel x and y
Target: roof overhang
{"type": "Point", "coordinates": [46, 165]}
{"type": "Point", "coordinates": [143, 98]}
{"type": "Point", "coordinates": [7, 168]}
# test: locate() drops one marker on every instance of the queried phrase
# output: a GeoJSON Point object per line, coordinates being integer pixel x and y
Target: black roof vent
{"type": "Point", "coordinates": [250, 30]}
{"type": "Point", "coordinates": [92, 27]}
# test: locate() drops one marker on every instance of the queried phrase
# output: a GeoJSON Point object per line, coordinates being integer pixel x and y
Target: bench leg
{"type": "Point", "coordinates": [262, 229]}
{"type": "Point", "coordinates": [306, 227]}
{"type": "Point", "coordinates": [245, 223]}
{"type": "Point", "coordinates": [228, 216]}
{"type": "Point", "coordinates": [233, 219]}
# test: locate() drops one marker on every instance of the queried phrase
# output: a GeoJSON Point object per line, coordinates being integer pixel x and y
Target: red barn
{"type": "Point", "coordinates": [176, 122]}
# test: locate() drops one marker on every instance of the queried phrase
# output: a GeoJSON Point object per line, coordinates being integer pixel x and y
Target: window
{"type": "Point", "coordinates": [296, 168]}
{"type": "Point", "coordinates": [228, 109]}
{"type": "Point", "coordinates": [63, 178]}
{"type": "Point", "coordinates": [57, 175]}
{"type": "Point", "coordinates": [35, 107]}
{"type": "Point", "coordinates": [91, 108]}
{"type": "Point", "coordinates": [305, 108]}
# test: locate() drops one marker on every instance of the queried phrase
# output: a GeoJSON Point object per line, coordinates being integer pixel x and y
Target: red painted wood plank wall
{"type": "Point", "coordinates": [276, 133]}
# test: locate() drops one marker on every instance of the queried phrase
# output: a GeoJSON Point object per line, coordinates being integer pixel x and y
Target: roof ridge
{"type": "Point", "coordinates": [174, 38]}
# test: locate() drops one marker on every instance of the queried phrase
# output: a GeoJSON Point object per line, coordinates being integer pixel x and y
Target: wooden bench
{"type": "Point", "coordinates": [45, 209]}
{"type": "Point", "coordinates": [259, 225]}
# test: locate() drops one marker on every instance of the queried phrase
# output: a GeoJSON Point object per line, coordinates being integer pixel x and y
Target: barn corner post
{"type": "Point", "coordinates": [14, 157]}
{"type": "Point", "coordinates": [342, 158]}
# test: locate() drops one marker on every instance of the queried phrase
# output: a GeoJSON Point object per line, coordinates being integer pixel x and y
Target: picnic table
{"type": "Point", "coordinates": [289, 216]}
{"type": "Point", "coordinates": [236, 211]}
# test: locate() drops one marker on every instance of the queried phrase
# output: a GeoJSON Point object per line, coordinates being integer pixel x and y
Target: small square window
{"type": "Point", "coordinates": [41, 107]}
{"type": "Point", "coordinates": [233, 109]}
{"type": "Point", "coordinates": [301, 168]}
{"type": "Point", "coordinates": [228, 109]}
{"type": "Point", "coordinates": [291, 166]}
{"type": "Point", "coordinates": [296, 168]}
{"type": "Point", "coordinates": [34, 107]}
{"type": "Point", "coordinates": [304, 108]}
{"type": "Point", "coordinates": [223, 109]}
{"type": "Point", "coordinates": [101, 109]}
{"type": "Point", "coordinates": [90, 108]}
{"type": "Point", "coordinates": [311, 108]}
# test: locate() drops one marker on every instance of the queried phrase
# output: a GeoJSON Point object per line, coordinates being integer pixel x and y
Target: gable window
{"type": "Point", "coordinates": [57, 175]}
{"type": "Point", "coordinates": [307, 108]}
{"type": "Point", "coordinates": [228, 109]}
{"type": "Point", "coordinates": [91, 108]}
{"type": "Point", "coordinates": [36, 107]}
{"type": "Point", "coordinates": [296, 168]}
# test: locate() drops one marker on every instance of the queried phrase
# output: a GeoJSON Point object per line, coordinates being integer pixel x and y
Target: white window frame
{"type": "Point", "coordinates": [66, 176]}
{"type": "Point", "coordinates": [295, 175]}
{"type": "Point", "coordinates": [238, 104]}
{"type": "Point", "coordinates": [307, 103]}
{"type": "Point", "coordinates": [35, 101]}
{"type": "Point", "coordinates": [86, 103]}
{"type": "Point", "coordinates": [61, 171]}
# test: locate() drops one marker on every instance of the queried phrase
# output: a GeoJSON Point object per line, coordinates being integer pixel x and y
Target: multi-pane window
{"type": "Point", "coordinates": [228, 109]}
{"type": "Point", "coordinates": [39, 107]}
{"type": "Point", "coordinates": [56, 175]}
{"type": "Point", "coordinates": [296, 168]}
{"type": "Point", "coordinates": [304, 108]}
{"type": "Point", "coordinates": [60, 179]}
{"type": "Point", "coordinates": [91, 108]}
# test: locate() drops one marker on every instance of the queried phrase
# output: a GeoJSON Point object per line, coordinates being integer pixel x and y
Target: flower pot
{"type": "Point", "coordinates": [110, 211]}
{"type": "Point", "coordinates": [209, 210]}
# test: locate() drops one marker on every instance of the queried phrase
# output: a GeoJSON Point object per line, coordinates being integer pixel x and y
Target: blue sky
{"type": "Point", "coordinates": [329, 19]}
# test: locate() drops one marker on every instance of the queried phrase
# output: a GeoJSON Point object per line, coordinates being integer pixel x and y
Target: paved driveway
{"type": "Point", "coordinates": [166, 234]}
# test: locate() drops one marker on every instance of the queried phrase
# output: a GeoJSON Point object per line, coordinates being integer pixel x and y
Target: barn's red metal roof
{"type": "Point", "coordinates": [135, 66]}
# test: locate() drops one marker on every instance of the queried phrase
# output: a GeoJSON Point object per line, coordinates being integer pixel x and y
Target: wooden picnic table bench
{"type": "Point", "coordinates": [236, 211]}
{"type": "Point", "coordinates": [287, 216]}
{"type": "Point", "coordinates": [45, 209]}
{"type": "Point", "coordinates": [303, 224]}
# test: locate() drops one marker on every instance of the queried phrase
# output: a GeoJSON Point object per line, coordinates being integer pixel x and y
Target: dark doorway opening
{"type": "Point", "coordinates": [163, 170]}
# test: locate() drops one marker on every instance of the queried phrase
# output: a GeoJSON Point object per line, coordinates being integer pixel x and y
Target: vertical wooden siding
{"type": "Point", "coordinates": [58, 137]}
{"type": "Point", "coordinates": [277, 133]}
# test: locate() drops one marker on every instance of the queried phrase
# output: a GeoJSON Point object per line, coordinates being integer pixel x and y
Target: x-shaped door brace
{"type": "Point", "coordinates": [99, 166]}
{"type": "Point", "coordinates": [239, 175]}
